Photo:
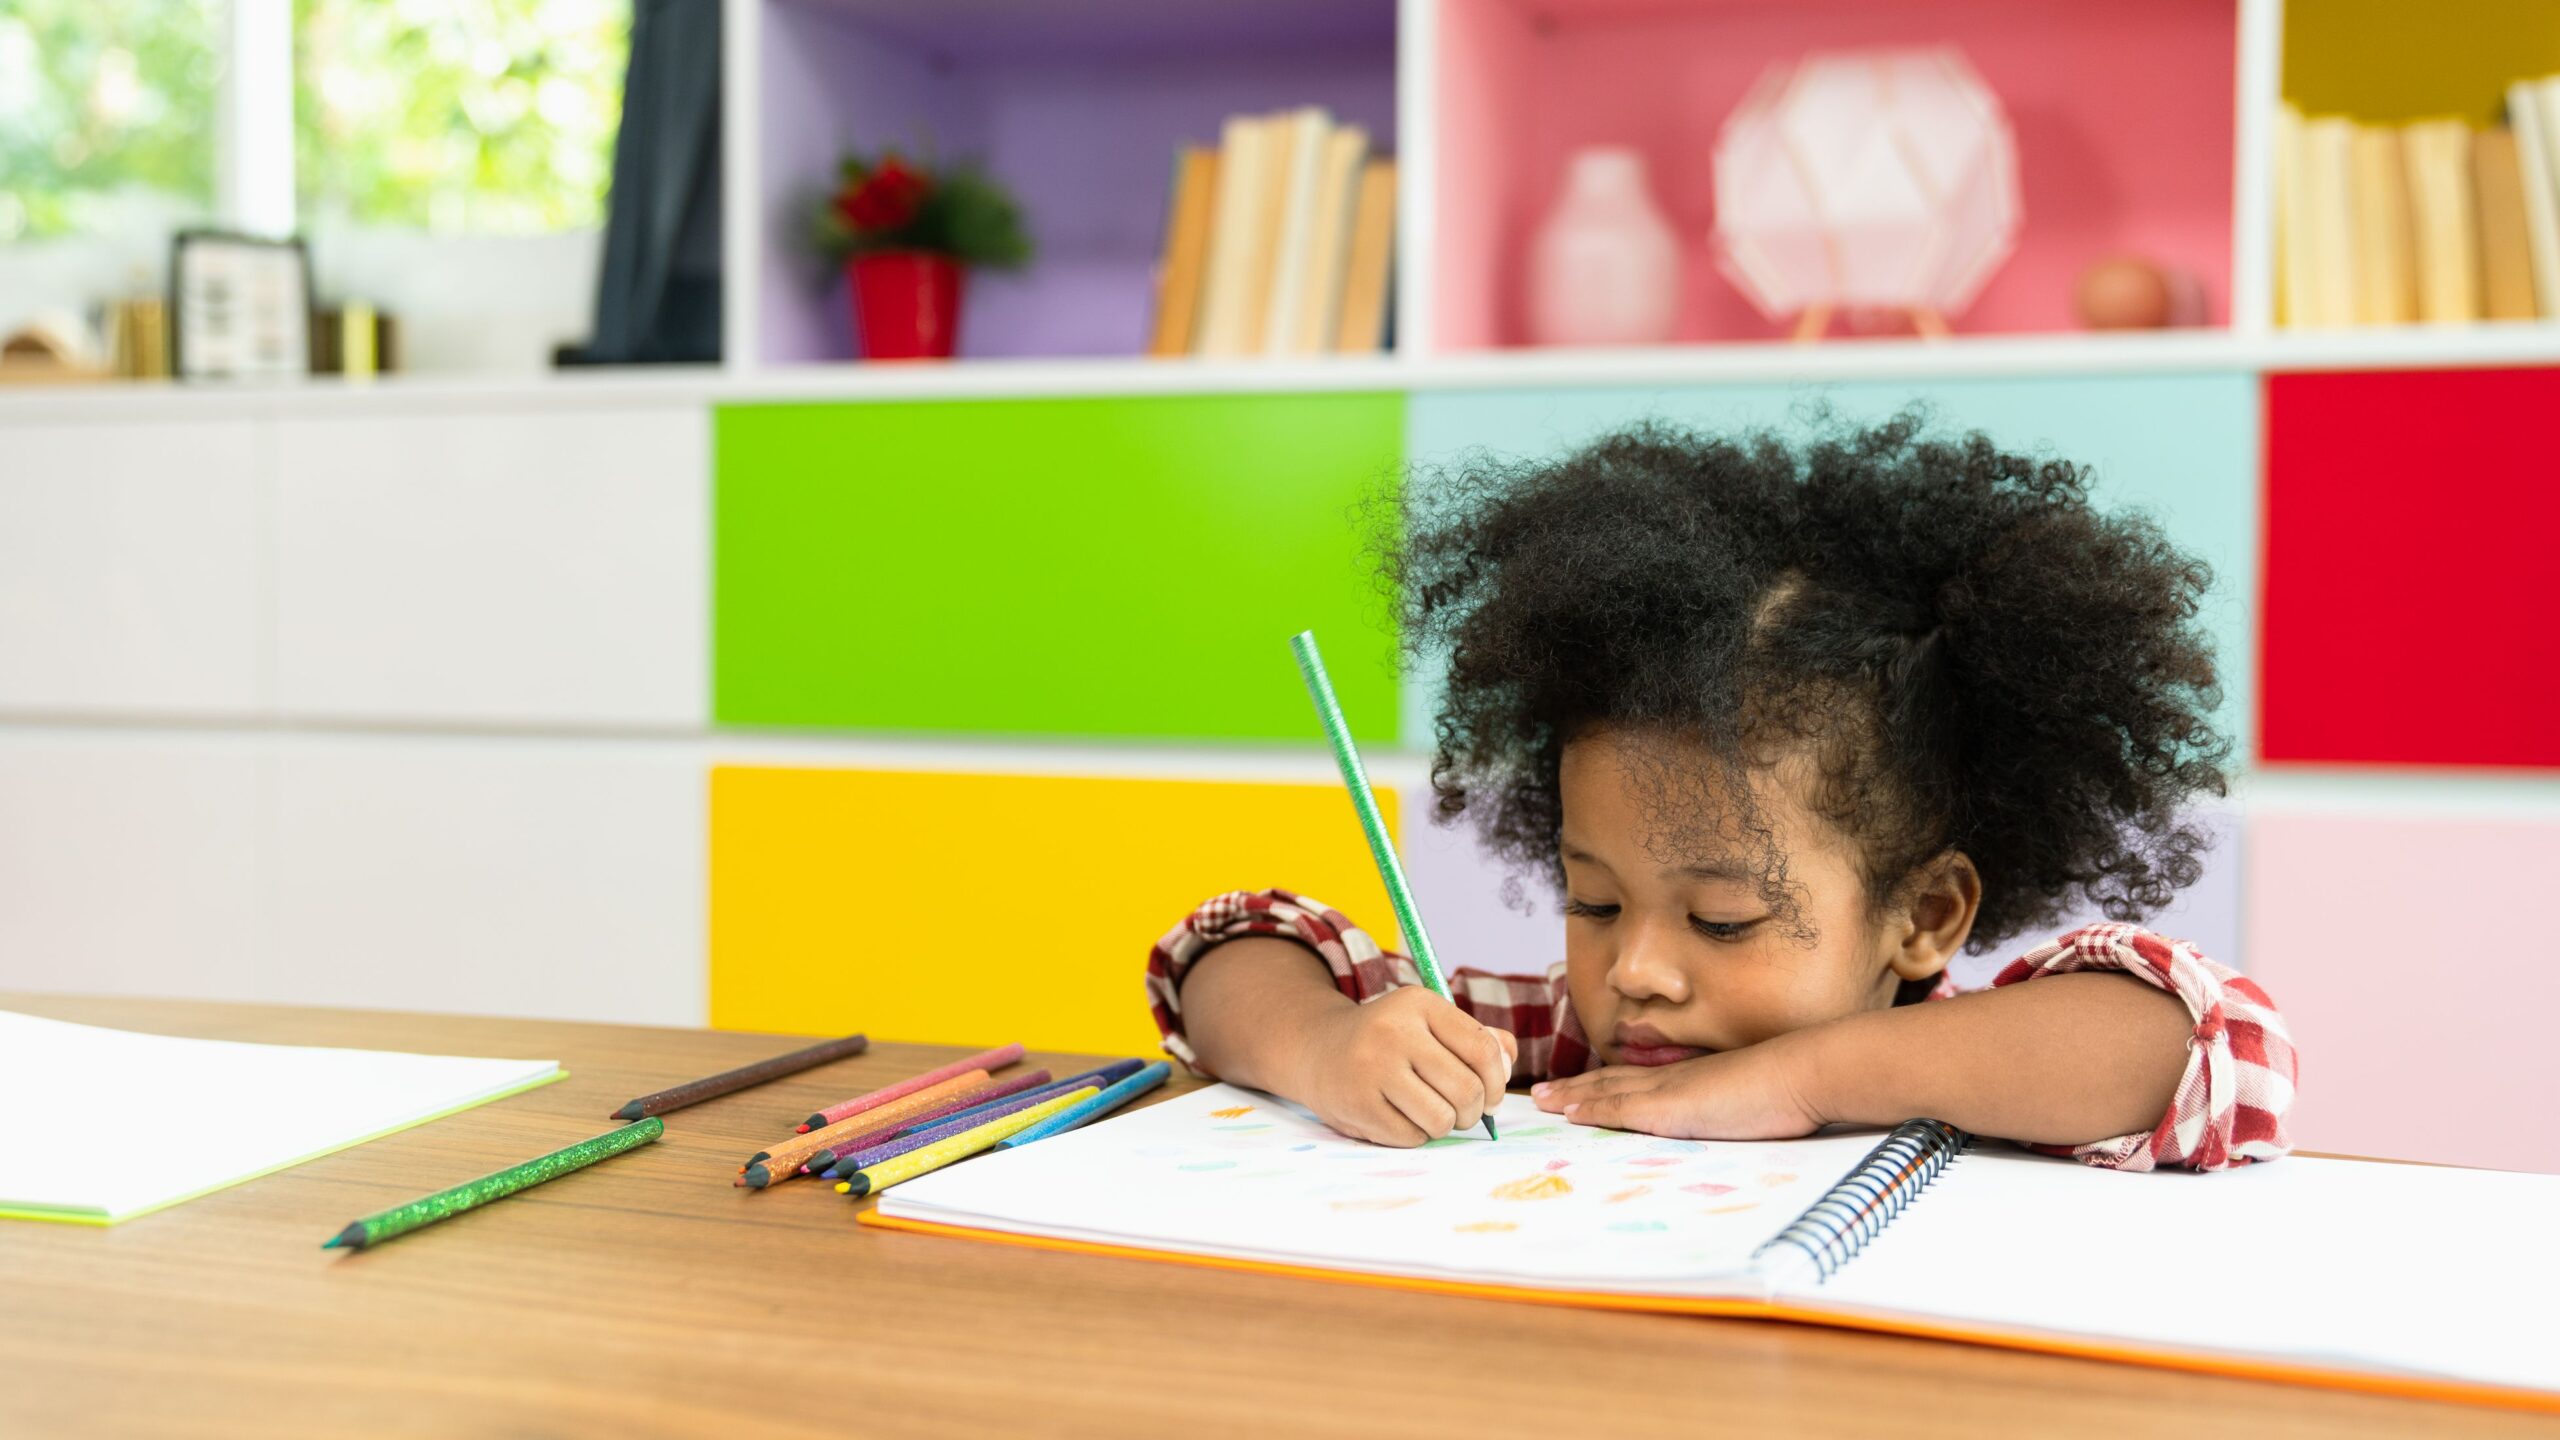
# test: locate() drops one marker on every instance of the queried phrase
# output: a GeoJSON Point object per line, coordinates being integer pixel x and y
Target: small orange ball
{"type": "Point", "coordinates": [2125, 292]}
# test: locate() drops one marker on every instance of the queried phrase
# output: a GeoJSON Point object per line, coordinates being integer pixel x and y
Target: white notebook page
{"type": "Point", "coordinates": [1230, 1172]}
{"type": "Point", "coordinates": [2335, 1262]}
{"type": "Point", "coordinates": [100, 1124]}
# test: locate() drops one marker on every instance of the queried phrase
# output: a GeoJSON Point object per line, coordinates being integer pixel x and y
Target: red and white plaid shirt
{"type": "Point", "coordinates": [2228, 1111]}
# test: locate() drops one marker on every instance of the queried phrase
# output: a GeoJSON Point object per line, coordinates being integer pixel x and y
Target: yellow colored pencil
{"type": "Point", "coordinates": [959, 1147]}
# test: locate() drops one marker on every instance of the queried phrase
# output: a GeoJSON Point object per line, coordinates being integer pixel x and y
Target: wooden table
{"type": "Point", "coordinates": [648, 1297]}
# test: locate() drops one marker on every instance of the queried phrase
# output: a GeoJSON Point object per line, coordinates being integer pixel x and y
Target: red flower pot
{"type": "Point", "coordinates": [906, 304]}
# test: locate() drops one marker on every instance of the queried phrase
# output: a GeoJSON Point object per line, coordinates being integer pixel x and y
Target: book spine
{"type": "Point", "coordinates": [1831, 1231]}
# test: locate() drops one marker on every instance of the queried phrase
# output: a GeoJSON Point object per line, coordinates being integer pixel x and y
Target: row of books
{"type": "Point", "coordinates": [1280, 240]}
{"type": "Point", "coordinates": [2430, 222]}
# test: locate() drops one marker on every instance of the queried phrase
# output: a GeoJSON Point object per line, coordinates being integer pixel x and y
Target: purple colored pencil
{"type": "Point", "coordinates": [959, 1105]}
{"type": "Point", "coordinates": [864, 1159]}
{"type": "Point", "coordinates": [836, 1162]}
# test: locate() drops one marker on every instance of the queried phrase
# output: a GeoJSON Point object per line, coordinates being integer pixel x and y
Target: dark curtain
{"type": "Point", "coordinates": [658, 290]}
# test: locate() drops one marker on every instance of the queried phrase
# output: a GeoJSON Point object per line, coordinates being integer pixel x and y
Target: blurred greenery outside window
{"type": "Point", "coordinates": [482, 116]}
{"type": "Point", "coordinates": [491, 116]}
{"type": "Point", "coordinates": [105, 104]}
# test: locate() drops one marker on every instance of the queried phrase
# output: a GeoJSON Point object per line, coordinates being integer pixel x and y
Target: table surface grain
{"type": "Point", "coordinates": [648, 1297]}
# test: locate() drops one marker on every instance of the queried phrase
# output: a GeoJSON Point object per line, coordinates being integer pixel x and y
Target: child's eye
{"type": "Point", "coordinates": [1722, 929]}
{"type": "Point", "coordinates": [1589, 911]}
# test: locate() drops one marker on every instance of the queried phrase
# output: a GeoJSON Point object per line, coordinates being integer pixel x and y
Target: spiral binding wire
{"type": "Point", "coordinates": [1834, 1228]}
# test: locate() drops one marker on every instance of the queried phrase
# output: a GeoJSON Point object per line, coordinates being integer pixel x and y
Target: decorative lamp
{"type": "Point", "coordinates": [1870, 179]}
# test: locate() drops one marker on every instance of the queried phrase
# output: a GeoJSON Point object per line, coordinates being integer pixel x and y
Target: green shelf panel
{"type": "Point", "coordinates": [1086, 567]}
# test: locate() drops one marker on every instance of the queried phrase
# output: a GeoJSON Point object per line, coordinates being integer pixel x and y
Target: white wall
{"type": "Point", "coordinates": [399, 709]}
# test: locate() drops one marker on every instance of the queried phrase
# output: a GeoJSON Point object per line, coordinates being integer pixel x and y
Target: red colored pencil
{"type": "Point", "coordinates": [991, 1061]}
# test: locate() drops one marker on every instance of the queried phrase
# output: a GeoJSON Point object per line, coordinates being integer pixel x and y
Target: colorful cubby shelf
{"type": "Point", "coordinates": [797, 692]}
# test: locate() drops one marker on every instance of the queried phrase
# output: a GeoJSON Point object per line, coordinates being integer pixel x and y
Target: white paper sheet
{"type": "Point", "coordinates": [103, 1125]}
{"type": "Point", "coordinates": [2334, 1262]}
{"type": "Point", "coordinates": [1229, 1172]}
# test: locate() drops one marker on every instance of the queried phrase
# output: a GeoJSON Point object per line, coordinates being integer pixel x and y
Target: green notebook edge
{"type": "Point", "coordinates": [73, 1217]}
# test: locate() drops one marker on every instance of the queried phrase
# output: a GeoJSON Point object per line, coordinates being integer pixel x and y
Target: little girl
{"type": "Point", "coordinates": [1788, 726]}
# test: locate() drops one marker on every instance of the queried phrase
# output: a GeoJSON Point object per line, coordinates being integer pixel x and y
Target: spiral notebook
{"type": "Point", "coordinates": [2344, 1273]}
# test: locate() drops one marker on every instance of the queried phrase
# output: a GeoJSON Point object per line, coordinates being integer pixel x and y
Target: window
{"type": "Point", "coordinates": [495, 116]}
{"type": "Point", "coordinates": [106, 108]}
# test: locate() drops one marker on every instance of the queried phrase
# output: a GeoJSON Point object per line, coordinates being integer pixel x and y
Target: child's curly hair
{"type": "Point", "coordinates": [1974, 658]}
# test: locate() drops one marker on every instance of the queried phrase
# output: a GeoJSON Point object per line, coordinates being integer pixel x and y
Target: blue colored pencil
{"type": "Point", "coordinates": [840, 1164]}
{"type": "Point", "coordinates": [1094, 1109]}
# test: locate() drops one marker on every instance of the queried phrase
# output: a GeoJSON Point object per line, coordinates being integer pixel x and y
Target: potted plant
{"type": "Point", "coordinates": [907, 237]}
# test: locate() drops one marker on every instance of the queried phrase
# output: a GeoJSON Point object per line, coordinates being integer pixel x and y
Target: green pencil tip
{"type": "Point", "coordinates": [329, 1244]}
{"type": "Point", "coordinates": [1489, 1132]}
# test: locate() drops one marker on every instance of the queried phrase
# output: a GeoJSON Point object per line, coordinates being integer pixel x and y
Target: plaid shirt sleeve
{"type": "Point", "coordinates": [2230, 1105]}
{"type": "Point", "coordinates": [1532, 1008]}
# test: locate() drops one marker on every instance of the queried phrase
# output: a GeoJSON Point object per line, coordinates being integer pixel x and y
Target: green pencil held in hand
{"type": "Point", "coordinates": [1355, 778]}
{"type": "Point", "coordinates": [472, 1194]}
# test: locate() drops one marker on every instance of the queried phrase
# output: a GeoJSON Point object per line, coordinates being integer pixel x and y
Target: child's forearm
{"type": "Point", "coordinates": [2061, 1060]}
{"type": "Point", "coordinates": [1250, 1008]}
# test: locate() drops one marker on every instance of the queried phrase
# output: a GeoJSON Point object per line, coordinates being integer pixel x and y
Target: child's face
{"type": "Point", "coordinates": [1667, 957]}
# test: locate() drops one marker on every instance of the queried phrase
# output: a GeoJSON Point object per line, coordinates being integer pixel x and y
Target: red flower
{"type": "Point", "coordinates": [885, 199]}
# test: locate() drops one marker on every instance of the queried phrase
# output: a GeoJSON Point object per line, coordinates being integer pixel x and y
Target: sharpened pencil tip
{"type": "Point", "coordinates": [758, 1177]}
{"type": "Point", "coordinates": [351, 1238]}
{"type": "Point", "coordinates": [633, 1111]}
{"type": "Point", "coordinates": [332, 1242]}
{"type": "Point", "coordinates": [804, 1127]}
{"type": "Point", "coordinates": [1489, 1132]}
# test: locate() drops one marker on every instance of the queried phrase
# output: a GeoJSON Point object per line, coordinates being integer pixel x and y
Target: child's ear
{"type": "Point", "coordinates": [1937, 915]}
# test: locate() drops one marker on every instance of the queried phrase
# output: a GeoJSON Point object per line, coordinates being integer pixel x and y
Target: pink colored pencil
{"type": "Point", "coordinates": [867, 1135]}
{"type": "Point", "coordinates": [917, 1139]}
{"type": "Point", "coordinates": [991, 1060]}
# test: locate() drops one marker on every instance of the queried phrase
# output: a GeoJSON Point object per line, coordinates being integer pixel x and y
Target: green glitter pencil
{"type": "Point", "coordinates": [1355, 778]}
{"type": "Point", "coordinates": [472, 1194]}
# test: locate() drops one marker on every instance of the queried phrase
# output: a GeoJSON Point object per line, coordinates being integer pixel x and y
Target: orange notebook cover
{"type": "Point", "coordinates": [2389, 1279]}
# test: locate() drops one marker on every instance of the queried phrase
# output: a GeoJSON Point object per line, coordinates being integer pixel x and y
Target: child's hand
{"type": "Point", "coordinates": [1405, 1068]}
{"type": "Point", "coordinates": [1755, 1093]}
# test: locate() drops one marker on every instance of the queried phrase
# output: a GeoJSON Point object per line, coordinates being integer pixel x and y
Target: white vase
{"type": "Point", "coordinates": [1605, 267]}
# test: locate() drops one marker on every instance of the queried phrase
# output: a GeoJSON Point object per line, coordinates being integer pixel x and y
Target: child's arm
{"type": "Point", "coordinates": [1275, 991]}
{"type": "Point", "coordinates": [2171, 1060]}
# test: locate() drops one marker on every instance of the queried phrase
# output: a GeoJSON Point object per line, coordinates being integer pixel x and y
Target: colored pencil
{"type": "Point", "coordinates": [846, 1136]}
{"type": "Point", "coordinates": [922, 1136]}
{"type": "Point", "coordinates": [953, 1092]}
{"type": "Point", "coordinates": [1098, 1076]}
{"type": "Point", "coordinates": [1355, 778]}
{"type": "Point", "coordinates": [844, 1144]}
{"type": "Point", "coordinates": [472, 1194]}
{"type": "Point", "coordinates": [712, 1087]}
{"type": "Point", "coordinates": [958, 1147]}
{"type": "Point", "coordinates": [1094, 1109]}
{"type": "Point", "coordinates": [787, 1157]}
{"type": "Point", "coordinates": [990, 1061]}
{"type": "Point", "coordinates": [841, 1164]}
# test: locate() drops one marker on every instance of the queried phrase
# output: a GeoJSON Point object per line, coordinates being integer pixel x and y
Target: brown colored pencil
{"type": "Point", "coordinates": [712, 1087]}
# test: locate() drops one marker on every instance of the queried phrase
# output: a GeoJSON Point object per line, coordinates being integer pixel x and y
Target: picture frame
{"type": "Point", "coordinates": [239, 307]}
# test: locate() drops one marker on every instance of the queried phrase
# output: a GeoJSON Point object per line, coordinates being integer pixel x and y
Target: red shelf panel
{"type": "Point", "coordinates": [2410, 603]}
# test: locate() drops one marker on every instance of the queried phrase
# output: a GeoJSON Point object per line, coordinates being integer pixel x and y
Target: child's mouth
{"type": "Point", "coordinates": [1644, 1045]}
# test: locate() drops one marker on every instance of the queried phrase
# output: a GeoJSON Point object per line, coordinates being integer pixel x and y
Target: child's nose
{"type": "Point", "coordinates": [1648, 965]}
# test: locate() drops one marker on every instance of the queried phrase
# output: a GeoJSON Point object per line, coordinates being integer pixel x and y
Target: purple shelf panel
{"type": "Point", "coordinates": [1084, 136]}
